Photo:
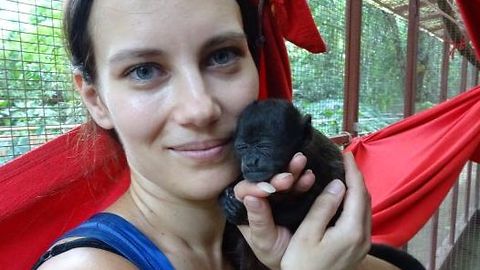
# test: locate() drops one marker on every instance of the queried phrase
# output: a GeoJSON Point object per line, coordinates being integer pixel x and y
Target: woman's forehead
{"type": "Point", "coordinates": [137, 13]}
{"type": "Point", "coordinates": [162, 21]}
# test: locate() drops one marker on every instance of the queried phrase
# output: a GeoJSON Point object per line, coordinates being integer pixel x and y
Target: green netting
{"type": "Point", "coordinates": [429, 70]}
{"type": "Point", "coordinates": [318, 80]}
{"type": "Point", "coordinates": [37, 101]}
{"type": "Point", "coordinates": [471, 76]}
{"type": "Point", "coordinates": [383, 61]}
{"type": "Point", "coordinates": [454, 75]}
{"type": "Point", "coordinates": [36, 98]}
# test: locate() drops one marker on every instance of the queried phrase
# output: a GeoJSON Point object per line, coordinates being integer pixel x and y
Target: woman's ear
{"type": "Point", "coordinates": [93, 101]}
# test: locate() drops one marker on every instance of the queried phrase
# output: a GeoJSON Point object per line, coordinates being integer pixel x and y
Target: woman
{"type": "Point", "coordinates": [170, 78]}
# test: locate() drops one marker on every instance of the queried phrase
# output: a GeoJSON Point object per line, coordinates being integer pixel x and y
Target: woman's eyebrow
{"type": "Point", "coordinates": [134, 53]}
{"type": "Point", "coordinates": [225, 38]}
{"type": "Point", "coordinates": [148, 52]}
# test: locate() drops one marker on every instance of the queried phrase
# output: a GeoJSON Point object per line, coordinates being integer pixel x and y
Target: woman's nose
{"type": "Point", "coordinates": [196, 104]}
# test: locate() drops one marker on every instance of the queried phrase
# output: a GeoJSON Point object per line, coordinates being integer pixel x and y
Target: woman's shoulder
{"type": "Point", "coordinates": [105, 241]}
{"type": "Point", "coordinates": [87, 258]}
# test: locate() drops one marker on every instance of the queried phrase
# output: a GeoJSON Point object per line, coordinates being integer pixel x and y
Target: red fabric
{"type": "Point", "coordinates": [410, 166]}
{"type": "Point", "coordinates": [293, 21]}
{"type": "Point", "coordinates": [53, 188]}
{"type": "Point", "coordinates": [470, 10]}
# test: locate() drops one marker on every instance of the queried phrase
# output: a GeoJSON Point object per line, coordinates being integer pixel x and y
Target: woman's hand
{"type": "Point", "coordinates": [313, 246]}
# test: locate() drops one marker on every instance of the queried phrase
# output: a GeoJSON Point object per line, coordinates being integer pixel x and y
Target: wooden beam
{"type": "Point", "coordinates": [431, 16]}
{"type": "Point", "coordinates": [436, 28]}
{"type": "Point", "coordinates": [403, 9]}
{"type": "Point", "coordinates": [412, 51]}
{"type": "Point", "coordinates": [464, 75]}
{"type": "Point", "coordinates": [445, 68]}
{"type": "Point", "coordinates": [352, 66]}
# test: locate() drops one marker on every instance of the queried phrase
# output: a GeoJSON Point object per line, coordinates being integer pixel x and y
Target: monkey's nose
{"type": "Point", "coordinates": [250, 163]}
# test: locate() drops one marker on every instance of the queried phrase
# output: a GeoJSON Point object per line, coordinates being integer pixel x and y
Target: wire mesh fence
{"type": "Point", "coordinates": [429, 70]}
{"type": "Point", "coordinates": [36, 98]}
{"type": "Point", "coordinates": [37, 101]}
{"type": "Point", "coordinates": [383, 47]}
{"type": "Point", "coordinates": [318, 80]}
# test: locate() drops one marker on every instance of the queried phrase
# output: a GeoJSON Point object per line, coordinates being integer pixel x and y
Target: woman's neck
{"type": "Point", "coordinates": [191, 229]}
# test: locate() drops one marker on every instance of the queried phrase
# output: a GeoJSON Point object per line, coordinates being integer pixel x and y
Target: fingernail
{"type": "Point", "coordinates": [285, 175]}
{"type": "Point", "coordinates": [298, 154]}
{"type": "Point", "coordinates": [268, 188]}
{"type": "Point", "coordinates": [335, 187]}
{"type": "Point", "coordinates": [252, 202]}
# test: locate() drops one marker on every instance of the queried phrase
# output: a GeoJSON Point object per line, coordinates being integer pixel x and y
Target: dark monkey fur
{"type": "Point", "coordinates": [268, 135]}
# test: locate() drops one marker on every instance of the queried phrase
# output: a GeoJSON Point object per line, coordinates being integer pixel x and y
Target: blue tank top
{"type": "Point", "coordinates": [124, 238]}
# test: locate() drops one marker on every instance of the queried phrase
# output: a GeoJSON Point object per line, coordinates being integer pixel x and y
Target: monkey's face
{"type": "Point", "coordinates": [268, 134]}
{"type": "Point", "coordinates": [262, 159]}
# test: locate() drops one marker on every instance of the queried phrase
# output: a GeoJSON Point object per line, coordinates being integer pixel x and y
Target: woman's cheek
{"type": "Point", "coordinates": [135, 117]}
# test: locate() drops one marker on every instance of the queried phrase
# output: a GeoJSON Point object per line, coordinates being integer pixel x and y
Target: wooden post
{"type": "Point", "coordinates": [412, 51]}
{"type": "Point", "coordinates": [445, 68]}
{"type": "Point", "coordinates": [352, 66]}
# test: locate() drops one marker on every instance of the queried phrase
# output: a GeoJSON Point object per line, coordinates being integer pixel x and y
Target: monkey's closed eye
{"type": "Point", "coordinates": [241, 146]}
{"type": "Point", "coordinates": [265, 145]}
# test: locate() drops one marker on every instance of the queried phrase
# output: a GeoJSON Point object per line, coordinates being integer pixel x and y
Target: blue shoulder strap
{"type": "Point", "coordinates": [123, 237]}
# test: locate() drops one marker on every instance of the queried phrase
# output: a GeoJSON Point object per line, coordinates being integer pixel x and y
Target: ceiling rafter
{"type": "Point", "coordinates": [440, 18]}
{"type": "Point", "coordinates": [431, 17]}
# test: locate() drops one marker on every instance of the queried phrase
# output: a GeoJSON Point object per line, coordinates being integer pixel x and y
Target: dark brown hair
{"type": "Point", "coordinates": [79, 47]}
{"type": "Point", "coordinates": [79, 44]}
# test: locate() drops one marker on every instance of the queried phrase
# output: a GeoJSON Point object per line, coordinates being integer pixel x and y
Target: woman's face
{"type": "Point", "coordinates": [173, 76]}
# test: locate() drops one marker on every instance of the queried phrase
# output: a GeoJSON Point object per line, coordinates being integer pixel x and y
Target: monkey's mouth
{"type": "Point", "coordinates": [256, 176]}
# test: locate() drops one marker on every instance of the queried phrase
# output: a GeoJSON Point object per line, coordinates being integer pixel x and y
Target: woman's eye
{"type": "Point", "coordinates": [144, 72]}
{"type": "Point", "coordinates": [222, 57]}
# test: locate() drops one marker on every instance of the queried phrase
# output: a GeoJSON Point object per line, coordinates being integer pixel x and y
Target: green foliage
{"type": "Point", "coordinates": [36, 90]}
{"type": "Point", "coordinates": [318, 81]}
{"type": "Point", "coordinates": [35, 78]}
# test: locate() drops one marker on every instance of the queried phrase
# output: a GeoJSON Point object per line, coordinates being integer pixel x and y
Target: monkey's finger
{"type": "Point", "coordinates": [322, 211]}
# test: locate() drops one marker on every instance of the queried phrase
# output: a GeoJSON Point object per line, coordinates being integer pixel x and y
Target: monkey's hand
{"type": "Point", "coordinates": [234, 210]}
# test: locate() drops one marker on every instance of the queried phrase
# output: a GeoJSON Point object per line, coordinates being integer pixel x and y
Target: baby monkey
{"type": "Point", "coordinates": [268, 135]}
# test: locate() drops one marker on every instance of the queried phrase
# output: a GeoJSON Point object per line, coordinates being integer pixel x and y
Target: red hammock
{"type": "Point", "coordinates": [413, 163]}
{"type": "Point", "coordinates": [409, 167]}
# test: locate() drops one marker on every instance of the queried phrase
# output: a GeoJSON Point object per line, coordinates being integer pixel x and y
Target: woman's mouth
{"type": "Point", "coordinates": [202, 150]}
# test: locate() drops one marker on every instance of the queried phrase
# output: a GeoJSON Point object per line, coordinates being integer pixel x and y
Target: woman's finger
{"type": "Point", "coordinates": [357, 204]}
{"type": "Point", "coordinates": [244, 188]}
{"type": "Point", "coordinates": [297, 164]}
{"type": "Point", "coordinates": [301, 180]}
{"type": "Point", "coordinates": [261, 232]}
{"type": "Point", "coordinates": [305, 182]}
{"type": "Point", "coordinates": [321, 212]}
{"type": "Point", "coordinates": [357, 200]}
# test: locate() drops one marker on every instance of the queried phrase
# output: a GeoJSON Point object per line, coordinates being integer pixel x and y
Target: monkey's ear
{"type": "Point", "coordinates": [307, 129]}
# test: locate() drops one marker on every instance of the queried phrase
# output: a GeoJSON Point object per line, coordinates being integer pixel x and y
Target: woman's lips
{"type": "Point", "coordinates": [205, 150]}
